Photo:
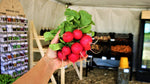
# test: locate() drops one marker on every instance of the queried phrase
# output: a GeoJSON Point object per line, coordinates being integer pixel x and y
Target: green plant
{"type": "Point", "coordinates": [7, 79]}
{"type": "Point", "coordinates": [81, 20]}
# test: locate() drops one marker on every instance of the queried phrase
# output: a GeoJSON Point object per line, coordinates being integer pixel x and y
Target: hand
{"type": "Point", "coordinates": [51, 56]}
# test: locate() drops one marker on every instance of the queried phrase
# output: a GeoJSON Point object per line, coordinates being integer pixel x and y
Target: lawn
{"type": "Point", "coordinates": [147, 37]}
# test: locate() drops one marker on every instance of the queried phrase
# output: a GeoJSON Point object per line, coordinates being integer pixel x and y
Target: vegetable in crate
{"type": "Point", "coordinates": [73, 38]}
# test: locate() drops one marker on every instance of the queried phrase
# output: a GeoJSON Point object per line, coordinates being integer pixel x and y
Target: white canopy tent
{"type": "Point", "coordinates": [120, 16]}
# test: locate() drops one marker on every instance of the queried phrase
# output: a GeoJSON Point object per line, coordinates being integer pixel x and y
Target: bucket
{"type": "Point", "coordinates": [124, 63]}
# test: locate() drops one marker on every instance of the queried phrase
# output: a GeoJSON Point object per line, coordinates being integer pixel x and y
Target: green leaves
{"type": "Point", "coordinates": [6, 79]}
{"type": "Point", "coordinates": [48, 36]}
{"type": "Point", "coordinates": [69, 26]}
{"type": "Point", "coordinates": [57, 46]}
{"type": "Point", "coordinates": [62, 41]}
{"type": "Point", "coordinates": [85, 19]}
{"type": "Point", "coordinates": [73, 13]}
{"type": "Point", "coordinates": [74, 20]}
{"type": "Point", "coordinates": [86, 29]}
{"type": "Point", "coordinates": [69, 18]}
{"type": "Point", "coordinates": [93, 33]}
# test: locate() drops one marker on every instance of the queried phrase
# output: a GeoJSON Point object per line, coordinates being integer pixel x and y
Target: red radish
{"type": "Point", "coordinates": [77, 34]}
{"type": "Point", "coordinates": [76, 48]}
{"type": "Point", "coordinates": [73, 57]}
{"type": "Point", "coordinates": [83, 54]}
{"type": "Point", "coordinates": [86, 41]}
{"type": "Point", "coordinates": [68, 36]}
{"type": "Point", "coordinates": [66, 50]}
{"type": "Point", "coordinates": [84, 34]}
{"type": "Point", "coordinates": [61, 56]}
{"type": "Point", "coordinates": [88, 47]}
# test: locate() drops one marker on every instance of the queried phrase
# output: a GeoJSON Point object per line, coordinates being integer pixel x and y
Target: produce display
{"type": "Point", "coordinates": [121, 48]}
{"type": "Point", "coordinates": [74, 40]}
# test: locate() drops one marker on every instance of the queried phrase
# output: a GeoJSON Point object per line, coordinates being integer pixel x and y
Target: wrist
{"type": "Point", "coordinates": [49, 63]}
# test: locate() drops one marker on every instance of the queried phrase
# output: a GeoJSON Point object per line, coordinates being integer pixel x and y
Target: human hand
{"type": "Point", "coordinates": [51, 56]}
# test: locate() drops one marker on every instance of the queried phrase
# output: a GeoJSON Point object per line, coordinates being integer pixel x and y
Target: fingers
{"type": "Point", "coordinates": [66, 62]}
{"type": "Point", "coordinates": [56, 38]}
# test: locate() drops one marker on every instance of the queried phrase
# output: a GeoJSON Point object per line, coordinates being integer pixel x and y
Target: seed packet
{"type": "Point", "coordinates": [3, 58]}
{"type": "Point", "coordinates": [3, 38]}
{"type": "Point", "coordinates": [8, 55]}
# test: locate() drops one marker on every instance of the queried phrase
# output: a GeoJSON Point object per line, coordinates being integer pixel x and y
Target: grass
{"type": "Point", "coordinates": [147, 37]}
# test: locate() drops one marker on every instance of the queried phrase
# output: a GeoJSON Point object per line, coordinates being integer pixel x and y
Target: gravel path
{"type": "Point", "coordinates": [95, 76]}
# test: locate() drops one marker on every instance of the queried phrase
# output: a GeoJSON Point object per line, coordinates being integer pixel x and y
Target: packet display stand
{"type": "Point", "coordinates": [13, 46]}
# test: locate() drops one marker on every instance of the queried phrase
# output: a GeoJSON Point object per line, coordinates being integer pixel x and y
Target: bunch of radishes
{"type": "Point", "coordinates": [73, 39]}
{"type": "Point", "coordinates": [77, 49]}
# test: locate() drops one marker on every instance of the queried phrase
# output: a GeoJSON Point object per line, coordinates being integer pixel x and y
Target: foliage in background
{"type": "Point", "coordinates": [7, 79]}
{"type": "Point", "coordinates": [147, 37]}
{"type": "Point", "coordinates": [74, 20]}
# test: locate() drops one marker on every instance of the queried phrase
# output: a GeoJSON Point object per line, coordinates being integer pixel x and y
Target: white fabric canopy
{"type": "Point", "coordinates": [44, 13]}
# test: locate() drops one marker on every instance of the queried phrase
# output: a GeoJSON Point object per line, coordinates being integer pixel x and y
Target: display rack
{"type": "Point", "coordinates": [110, 47]}
{"type": "Point", "coordinates": [34, 36]}
{"type": "Point", "coordinates": [13, 38]}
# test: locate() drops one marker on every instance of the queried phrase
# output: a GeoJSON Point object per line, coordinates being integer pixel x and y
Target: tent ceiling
{"type": "Point", "coordinates": [109, 3]}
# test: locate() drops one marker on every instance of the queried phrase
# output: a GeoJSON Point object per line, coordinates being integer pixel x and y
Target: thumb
{"type": "Point", "coordinates": [56, 38]}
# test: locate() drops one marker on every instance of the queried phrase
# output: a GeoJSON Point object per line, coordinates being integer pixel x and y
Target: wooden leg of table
{"type": "Point", "coordinates": [77, 70]}
{"type": "Point", "coordinates": [62, 75]}
{"type": "Point", "coordinates": [53, 80]}
{"type": "Point", "coordinates": [81, 69]}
